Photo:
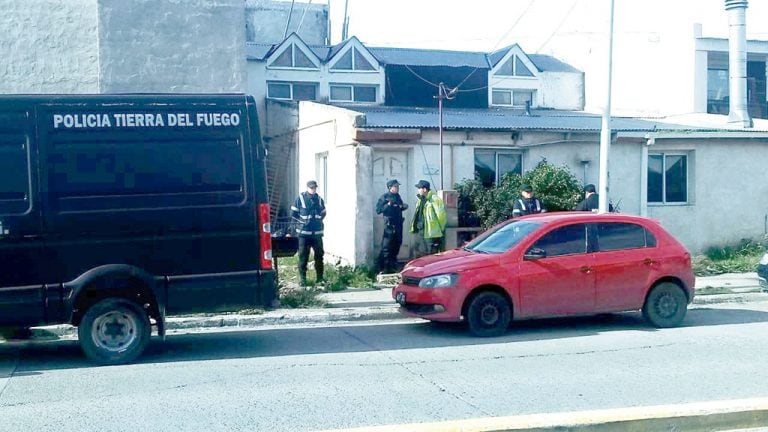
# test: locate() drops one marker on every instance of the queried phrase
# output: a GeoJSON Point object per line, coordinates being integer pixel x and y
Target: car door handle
{"type": "Point", "coordinates": [649, 261]}
{"type": "Point", "coordinates": [585, 269]}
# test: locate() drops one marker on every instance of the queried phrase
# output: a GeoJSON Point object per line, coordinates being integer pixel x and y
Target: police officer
{"type": "Point", "coordinates": [391, 205]}
{"type": "Point", "coordinates": [591, 201]}
{"type": "Point", "coordinates": [526, 204]}
{"type": "Point", "coordinates": [309, 207]}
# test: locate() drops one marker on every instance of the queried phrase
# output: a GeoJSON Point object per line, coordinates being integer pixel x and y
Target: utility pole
{"type": "Point", "coordinates": [442, 93]}
{"type": "Point", "coordinates": [605, 131]}
{"type": "Point", "coordinates": [345, 23]}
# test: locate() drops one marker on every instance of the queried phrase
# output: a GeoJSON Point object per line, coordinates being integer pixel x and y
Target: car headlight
{"type": "Point", "coordinates": [764, 259]}
{"type": "Point", "coordinates": [439, 281]}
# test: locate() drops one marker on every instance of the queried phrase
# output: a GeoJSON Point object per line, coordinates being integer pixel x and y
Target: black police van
{"type": "Point", "coordinates": [117, 210]}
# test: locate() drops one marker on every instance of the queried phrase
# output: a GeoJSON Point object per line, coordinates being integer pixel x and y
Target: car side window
{"type": "Point", "coordinates": [621, 235]}
{"type": "Point", "coordinates": [567, 240]}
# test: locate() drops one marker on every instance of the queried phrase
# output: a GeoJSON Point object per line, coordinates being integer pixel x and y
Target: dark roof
{"type": "Point", "coordinates": [505, 119]}
{"type": "Point", "coordinates": [420, 57]}
{"type": "Point", "coordinates": [547, 63]}
{"type": "Point", "coordinates": [428, 57]}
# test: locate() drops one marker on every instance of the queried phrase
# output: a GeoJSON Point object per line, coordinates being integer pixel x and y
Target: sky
{"type": "Point", "coordinates": [485, 25]}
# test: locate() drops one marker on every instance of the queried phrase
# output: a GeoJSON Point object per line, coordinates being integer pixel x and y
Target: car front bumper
{"type": "Point", "coordinates": [437, 304]}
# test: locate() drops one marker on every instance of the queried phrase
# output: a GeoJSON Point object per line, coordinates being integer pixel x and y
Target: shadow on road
{"type": "Point", "coordinates": [41, 356]}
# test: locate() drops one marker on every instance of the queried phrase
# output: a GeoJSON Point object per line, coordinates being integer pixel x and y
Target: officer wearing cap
{"type": "Point", "coordinates": [526, 204]}
{"type": "Point", "coordinates": [309, 208]}
{"type": "Point", "coordinates": [429, 220]}
{"type": "Point", "coordinates": [391, 206]}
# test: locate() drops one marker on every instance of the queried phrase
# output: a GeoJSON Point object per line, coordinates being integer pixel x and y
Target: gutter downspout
{"type": "Point", "coordinates": [738, 113]}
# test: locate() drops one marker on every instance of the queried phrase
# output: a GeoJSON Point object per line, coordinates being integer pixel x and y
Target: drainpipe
{"type": "Point", "coordinates": [737, 63]}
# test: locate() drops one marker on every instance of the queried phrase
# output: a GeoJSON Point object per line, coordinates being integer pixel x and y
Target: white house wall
{"type": "Point", "coordinates": [327, 131]}
{"type": "Point", "coordinates": [730, 194]}
{"type": "Point", "coordinates": [49, 46]}
{"type": "Point", "coordinates": [561, 90]}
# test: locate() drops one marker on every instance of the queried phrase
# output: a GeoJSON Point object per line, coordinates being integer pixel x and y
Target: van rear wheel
{"type": "Point", "coordinates": [114, 331]}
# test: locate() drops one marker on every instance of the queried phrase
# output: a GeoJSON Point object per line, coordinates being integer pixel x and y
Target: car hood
{"type": "Point", "coordinates": [452, 261]}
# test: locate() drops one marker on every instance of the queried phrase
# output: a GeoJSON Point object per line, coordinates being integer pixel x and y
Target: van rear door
{"type": "Point", "coordinates": [21, 289]}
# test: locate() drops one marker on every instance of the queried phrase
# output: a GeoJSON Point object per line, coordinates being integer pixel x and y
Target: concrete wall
{"type": "Point", "coordinates": [326, 131]}
{"type": "Point", "coordinates": [266, 20]}
{"type": "Point", "coordinates": [172, 46]}
{"type": "Point", "coordinates": [49, 46]}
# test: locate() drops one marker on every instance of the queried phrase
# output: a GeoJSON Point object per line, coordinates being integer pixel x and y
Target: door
{"type": "Point", "coordinates": [389, 165]}
{"type": "Point", "coordinates": [626, 261]}
{"type": "Point", "coordinates": [21, 261]}
{"type": "Point", "coordinates": [563, 281]}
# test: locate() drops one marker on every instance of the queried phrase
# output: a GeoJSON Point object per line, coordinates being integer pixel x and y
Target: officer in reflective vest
{"type": "Point", "coordinates": [526, 204]}
{"type": "Point", "coordinates": [309, 208]}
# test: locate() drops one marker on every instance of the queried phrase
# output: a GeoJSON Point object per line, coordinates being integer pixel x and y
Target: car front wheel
{"type": "Point", "coordinates": [114, 331]}
{"type": "Point", "coordinates": [666, 305]}
{"type": "Point", "coordinates": [489, 314]}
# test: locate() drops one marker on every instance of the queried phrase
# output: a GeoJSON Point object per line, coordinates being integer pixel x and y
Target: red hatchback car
{"type": "Point", "coordinates": [552, 264]}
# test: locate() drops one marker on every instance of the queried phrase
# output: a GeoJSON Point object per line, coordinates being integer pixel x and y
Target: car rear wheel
{"type": "Point", "coordinates": [114, 331]}
{"type": "Point", "coordinates": [488, 314]}
{"type": "Point", "coordinates": [666, 305]}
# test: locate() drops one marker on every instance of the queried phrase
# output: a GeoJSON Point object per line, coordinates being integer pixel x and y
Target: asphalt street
{"type": "Point", "coordinates": [298, 378]}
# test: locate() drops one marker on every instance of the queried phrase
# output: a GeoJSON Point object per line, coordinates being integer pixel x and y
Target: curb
{"type": "Point", "coordinates": [278, 317]}
{"type": "Point", "coordinates": [699, 416]}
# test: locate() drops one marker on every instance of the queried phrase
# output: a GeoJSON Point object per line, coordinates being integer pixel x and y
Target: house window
{"type": "Point", "coordinates": [353, 93]}
{"type": "Point", "coordinates": [293, 57]}
{"type": "Point", "coordinates": [717, 86]}
{"type": "Point", "coordinates": [292, 91]}
{"type": "Point", "coordinates": [514, 66]}
{"type": "Point", "coordinates": [667, 178]}
{"type": "Point", "coordinates": [510, 97]}
{"type": "Point", "coordinates": [492, 165]}
{"type": "Point", "coordinates": [353, 60]}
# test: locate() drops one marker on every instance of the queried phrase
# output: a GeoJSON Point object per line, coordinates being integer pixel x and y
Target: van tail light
{"type": "Point", "coordinates": [265, 236]}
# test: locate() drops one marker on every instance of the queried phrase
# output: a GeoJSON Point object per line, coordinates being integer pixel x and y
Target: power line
{"type": "Point", "coordinates": [557, 29]}
{"type": "Point", "coordinates": [301, 21]}
{"type": "Point", "coordinates": [421, 77]}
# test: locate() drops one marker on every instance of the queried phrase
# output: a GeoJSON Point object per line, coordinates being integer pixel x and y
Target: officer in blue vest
{"type": "Point", "coordinates": [309, 208]}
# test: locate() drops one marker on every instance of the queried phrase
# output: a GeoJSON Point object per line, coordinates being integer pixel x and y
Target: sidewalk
{"type": "Point", "coordinates": [356, 304]}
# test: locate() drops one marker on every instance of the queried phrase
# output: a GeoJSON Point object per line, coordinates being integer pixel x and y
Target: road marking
{"type": "Point", "coordinates": [711, 415]}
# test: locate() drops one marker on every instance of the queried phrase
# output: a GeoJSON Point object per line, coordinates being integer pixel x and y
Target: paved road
{"type": "Point", "coordinates": [344, 376]}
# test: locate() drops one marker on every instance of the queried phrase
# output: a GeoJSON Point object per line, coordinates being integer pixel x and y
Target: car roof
{"type": "Point", "coordinates": [583, 216]}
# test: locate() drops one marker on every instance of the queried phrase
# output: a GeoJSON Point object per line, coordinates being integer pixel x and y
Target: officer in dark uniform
{"type": "Point", "coordinates": [309, 207]}
{"type": "Point", "coordinates": [526, 204]}
{"type": "Point", "coordinates": [391, 205]}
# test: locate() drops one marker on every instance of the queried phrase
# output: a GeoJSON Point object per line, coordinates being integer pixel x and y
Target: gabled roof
{"type": "Point", "coordinates": [504, 119]}
{"type": "Point", "coordinates": [429, 57]}
{"type": "Point", "coordinates": [547, 63]}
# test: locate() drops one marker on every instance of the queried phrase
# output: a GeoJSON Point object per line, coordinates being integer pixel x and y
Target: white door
{"type": "Point", "coordinates": [389, 165]}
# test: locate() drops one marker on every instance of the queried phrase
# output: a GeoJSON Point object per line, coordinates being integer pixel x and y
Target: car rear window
{"type": "Point", "coordinates": [621, 235]}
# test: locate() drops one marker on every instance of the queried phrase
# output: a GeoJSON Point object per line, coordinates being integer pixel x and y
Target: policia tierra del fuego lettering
{"type": "Point", "coordinates": [123, 120]}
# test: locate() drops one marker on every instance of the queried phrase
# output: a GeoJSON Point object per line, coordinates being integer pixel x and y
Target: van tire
{"type": "Point", "coordinates": [665, 305]}
{"type": "Point", "coordinates": [114, 331]}
{"type": "Point", "coordinates": [488, 314]}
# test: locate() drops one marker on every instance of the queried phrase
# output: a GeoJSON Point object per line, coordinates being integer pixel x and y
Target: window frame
{"type": "Point", "coordinates": [511, 92]}
{"type": "Point", "coordinates": [293, 47]}
{"type": "Point", "coordinates": [354, 69]}
{"type": "Point", "coordinates": [353, 92]}
{"type": "Point", "coordinates": [496, 153]}
{"type": "Point", "coordinates": [664, 155]}
{"type": "Point", "coordinates": [514, 59]}
{"type": "Point", "coordinates": [290, 85]}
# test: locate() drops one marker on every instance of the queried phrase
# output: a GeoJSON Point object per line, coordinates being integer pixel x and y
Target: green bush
{"type": "Point", "coordinates": [556, 188]}
{"type": "Point", "coordinates": [739, 258]}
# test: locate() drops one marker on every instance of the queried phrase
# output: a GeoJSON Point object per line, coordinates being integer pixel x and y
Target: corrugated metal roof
{"type": "Point", "coordinates": [257, 51]}
{"type": "Point", "coordinates": [502, 119]}
{"type": "Point", "coordinates": [550, 64]}
{"type": "Point", "coordinates": [426, 57]}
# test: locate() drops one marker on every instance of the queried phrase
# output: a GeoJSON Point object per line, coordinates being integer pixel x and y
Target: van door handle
{"type": "Point", "coordinates": [649, 261]}
{"type": "Point", "coordinates": [585, 269]}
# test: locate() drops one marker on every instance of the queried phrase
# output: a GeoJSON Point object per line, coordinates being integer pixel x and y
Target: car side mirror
{"type": "Point", "coordinates": [534, 254]}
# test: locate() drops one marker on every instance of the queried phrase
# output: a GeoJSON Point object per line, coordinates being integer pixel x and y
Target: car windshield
{"type": "Point", "coordinates": [501, 238]}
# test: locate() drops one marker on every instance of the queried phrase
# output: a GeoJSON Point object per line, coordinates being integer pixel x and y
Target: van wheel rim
{"type": "Point", "coordinates": [666, 306]}
{"type": "Point", "coordinates": [489, 314]}
{"type": "Point", "coordinates": [114, 331]}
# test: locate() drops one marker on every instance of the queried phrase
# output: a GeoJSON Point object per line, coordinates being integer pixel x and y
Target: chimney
{"type": "Point", "coordinates": [737, 63]}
